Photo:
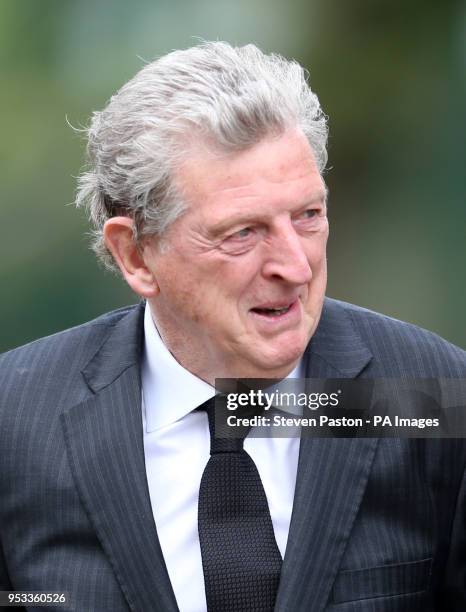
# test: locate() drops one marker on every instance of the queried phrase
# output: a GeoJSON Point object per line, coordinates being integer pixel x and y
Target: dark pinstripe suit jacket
{"type": "Point", "coordinates": [377, 525]}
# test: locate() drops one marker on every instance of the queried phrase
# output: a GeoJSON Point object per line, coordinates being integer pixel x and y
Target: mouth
{"type": "Point", "coordinates": [274, 311]}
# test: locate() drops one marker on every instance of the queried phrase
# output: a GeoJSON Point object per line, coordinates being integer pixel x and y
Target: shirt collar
{"type": "Point", "coordinates": [170, 392]}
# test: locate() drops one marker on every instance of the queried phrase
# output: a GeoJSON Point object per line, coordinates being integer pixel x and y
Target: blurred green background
{"type": "Point", "coordinates": [390, 75]}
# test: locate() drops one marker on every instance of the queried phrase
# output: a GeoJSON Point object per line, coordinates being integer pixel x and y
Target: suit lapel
{"type": "Point", "coordinates": [332, 476]}
{"type": "Point", "coordinates": [105, 444]}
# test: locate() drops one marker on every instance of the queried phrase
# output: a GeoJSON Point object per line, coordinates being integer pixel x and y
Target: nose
{"type": "Point", "coordinates": [287, 259]}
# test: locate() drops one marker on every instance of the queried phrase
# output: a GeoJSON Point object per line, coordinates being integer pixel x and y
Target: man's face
{"type": "Point", "coordinates": [243, 274]}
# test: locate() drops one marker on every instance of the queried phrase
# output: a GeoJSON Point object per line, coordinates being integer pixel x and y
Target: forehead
{"type": "Point", "coordinates": [277, 171]}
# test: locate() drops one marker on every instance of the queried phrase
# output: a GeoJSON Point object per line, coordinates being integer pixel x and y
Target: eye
{"type": "Point", "coordinates": [308, 215]}
{"type": "Point", "coordinates": [241, 241]}
{"type": "Point", "coordinates": [242, 234]}
{"type": "Point", "coordinates": [308, 220]}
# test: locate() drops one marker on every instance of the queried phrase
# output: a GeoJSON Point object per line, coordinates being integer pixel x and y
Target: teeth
{"type": "Point", "coordinates": [275, 310]}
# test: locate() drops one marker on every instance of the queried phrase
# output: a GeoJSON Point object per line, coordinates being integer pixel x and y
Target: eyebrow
{"type": "Point", "coordinates": [246, 218]}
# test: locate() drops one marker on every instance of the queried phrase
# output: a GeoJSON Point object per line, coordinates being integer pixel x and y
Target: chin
{"type": "Point", "coordinates": [280, 363]}
{"type": "Point", "coordinates": [292, 346]}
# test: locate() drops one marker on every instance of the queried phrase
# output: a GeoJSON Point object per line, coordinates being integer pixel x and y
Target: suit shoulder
{"type": "Point", "coordinates": [416, 350]}
{"type": "Point", "coordinates": [69, 349]}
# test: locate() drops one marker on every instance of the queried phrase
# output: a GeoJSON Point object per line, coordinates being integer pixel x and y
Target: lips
{"type": "Point", "coordinates": [276, 317]}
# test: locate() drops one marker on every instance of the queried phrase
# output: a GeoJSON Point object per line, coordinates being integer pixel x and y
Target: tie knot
{"type": "Point", "coordinates": [223, 439]}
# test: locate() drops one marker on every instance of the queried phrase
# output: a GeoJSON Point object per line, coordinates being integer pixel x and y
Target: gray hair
{"type": "Point", "coordinates": [228, 97]}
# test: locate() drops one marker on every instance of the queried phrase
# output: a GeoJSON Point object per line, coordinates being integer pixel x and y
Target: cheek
{"type": "Point", "coordinates": [231, 278]}
{"type": "Point", "coordinates": [317, 251]}
{"type": "Point", "coordinates": [198, 298]}
{"type": "Point", "coordinates": [207, 288]}
{"type": "Point", "coordinates": [317, 258]}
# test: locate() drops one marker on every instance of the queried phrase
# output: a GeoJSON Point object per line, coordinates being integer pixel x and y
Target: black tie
{"type": "Point", "coordinates": [240, 556]}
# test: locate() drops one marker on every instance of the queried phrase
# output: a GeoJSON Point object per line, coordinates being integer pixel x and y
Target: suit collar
{"type": "Point", "coordinates": [121, 349]}
{"type": "Point", "coordinates": [336, 350]}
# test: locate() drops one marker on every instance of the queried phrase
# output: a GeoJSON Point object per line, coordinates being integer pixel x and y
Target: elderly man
{"type": "Point", "coordinates": [205, 188]}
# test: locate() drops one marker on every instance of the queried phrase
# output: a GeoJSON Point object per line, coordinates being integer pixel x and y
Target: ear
{"type": "Point", "coordinates": [118, 235]}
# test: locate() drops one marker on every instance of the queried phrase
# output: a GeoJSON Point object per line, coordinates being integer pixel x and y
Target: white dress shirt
{"type": "Point", "coordinates": [177, 448]}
